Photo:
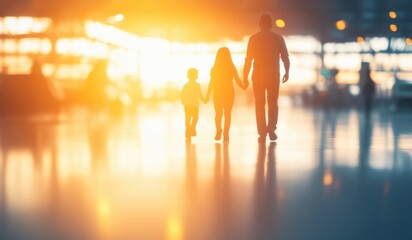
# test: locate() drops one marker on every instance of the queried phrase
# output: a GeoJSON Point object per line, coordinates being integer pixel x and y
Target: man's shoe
{"type": "Point", "coordinates": [272, 136]}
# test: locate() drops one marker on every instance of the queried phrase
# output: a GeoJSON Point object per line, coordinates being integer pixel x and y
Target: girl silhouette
{"type": "Point", "coordinates": [221, 83]}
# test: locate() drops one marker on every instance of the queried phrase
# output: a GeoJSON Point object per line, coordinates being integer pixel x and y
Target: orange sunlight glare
{"type": "Point", "coordinates": [157, 63]}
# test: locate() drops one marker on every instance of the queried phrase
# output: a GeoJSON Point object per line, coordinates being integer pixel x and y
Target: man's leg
{"type": "Point", "coordinates": [272, 99]}
{"type": "Point", "coordinates": [259, 91]}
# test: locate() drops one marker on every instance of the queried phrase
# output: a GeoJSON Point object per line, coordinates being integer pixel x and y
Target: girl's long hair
{"type": "Point", "coordinates": [223, 60]}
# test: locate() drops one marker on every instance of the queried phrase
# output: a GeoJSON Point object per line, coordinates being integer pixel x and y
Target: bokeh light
{"type": "Point", "coordinates": [280, 23]}
{"type": "Point", "coordinates": [341, 25]}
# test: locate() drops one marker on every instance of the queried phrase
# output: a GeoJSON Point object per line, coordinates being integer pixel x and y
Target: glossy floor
{"type": "Point", "coordinates": [331, 175]}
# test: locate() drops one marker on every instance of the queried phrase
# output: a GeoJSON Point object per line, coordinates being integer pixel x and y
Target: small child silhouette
{"type": "Point", "coordinates": [190, 95]}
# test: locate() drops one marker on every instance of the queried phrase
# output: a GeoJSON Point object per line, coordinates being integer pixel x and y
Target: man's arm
{"type": "Point", "coordinates": [237, 79]}
{"type": "Point", "coordinates": [286, 63]}
{"type": "Point", "coordinates": [246, 70]}
{"type": "Point", "coordinates": [247, 65]}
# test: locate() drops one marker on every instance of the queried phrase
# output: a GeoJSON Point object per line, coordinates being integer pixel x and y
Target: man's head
{"type": "Point", "coordinates": [265, 22]}
{"type": "Point", "coordinates": [192, 74]}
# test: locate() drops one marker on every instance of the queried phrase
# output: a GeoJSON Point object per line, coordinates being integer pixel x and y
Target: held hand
{"type": "Point", "coordinates": [285, 78]}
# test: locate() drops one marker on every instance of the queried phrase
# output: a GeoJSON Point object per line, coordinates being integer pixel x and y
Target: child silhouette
{"type": "Point", "coordinates": [221, 83]}
{"type": "Point", "coordinates": [190, 95]}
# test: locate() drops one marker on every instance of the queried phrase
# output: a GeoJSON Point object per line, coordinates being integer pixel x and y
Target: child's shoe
{"type": "Point", "coordinates": [218, 134]}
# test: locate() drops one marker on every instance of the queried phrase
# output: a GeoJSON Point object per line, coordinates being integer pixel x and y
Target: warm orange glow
{"type": "Point", "coordinates": [341, 25]}
{"type": "Point", "coordinates": [82, 47]}
{"type": "Point", "coordinates": [393, 27]}
{"type": "Point", "coordinates": [111, 34]}
{"type": "Point", "coordinates": [23, 25]}
{"type": "Point", "coordinates": [104, 214]}
{"type": "Point", "coordinates": [80, 167]}
{"type": "Point", "coordinates": [22, 192]}
{"type": "Point", "coordinates": [17, 64]}
{"type": "Point", "coordinates": [174, 229]}
{"type": "Point", "coordinates": [280, 23]}
{"type": "Point", "coordinates": [104, 209]}
{"type": "Point", "coordinates": [408, 41]}
{"type": "Point", "coordinates": [157, 62]}
{"type": "Point", "coordinates": [10, 46]}
{"type": "Point", "coordinates": [119, 17]}
{"type": "Point", "coordinates": [392, 14]}
{"type": "Point", "coordinates": [360, 40]}
{"type": "Point", "coordinates": [26, 46]}
{"type": "Point", "coordinates": [115, 19]}
{"type": "Point", "coordinates": [327, 178]}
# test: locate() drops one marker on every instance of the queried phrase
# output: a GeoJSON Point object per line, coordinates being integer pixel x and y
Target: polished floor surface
{"type": "Point", "coordinates": [336, 174]}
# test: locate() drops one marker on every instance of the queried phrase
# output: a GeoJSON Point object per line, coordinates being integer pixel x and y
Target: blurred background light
{"type": "Point", "coordinates": [280, 23]}
{"type": "Point", "coordinates": [341, 25]}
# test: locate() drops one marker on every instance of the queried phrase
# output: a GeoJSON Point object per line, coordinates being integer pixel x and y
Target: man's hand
{"type": "Point", "coordinates": [285, 78]}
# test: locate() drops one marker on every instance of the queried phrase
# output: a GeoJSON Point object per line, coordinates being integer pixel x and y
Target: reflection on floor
{"type": "Point", "coordinates": [331, 175]}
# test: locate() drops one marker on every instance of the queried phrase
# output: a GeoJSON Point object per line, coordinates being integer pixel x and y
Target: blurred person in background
{"type": "Point", "coordinates": [334, 95]}
{"type": "Point", "coordinates": [96, 87]}
{"type": "Point", "coordinates": [368, 87]}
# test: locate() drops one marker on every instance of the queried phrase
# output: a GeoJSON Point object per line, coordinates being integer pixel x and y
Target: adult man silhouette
{"type": "Point", "coordinates": [264, 49]}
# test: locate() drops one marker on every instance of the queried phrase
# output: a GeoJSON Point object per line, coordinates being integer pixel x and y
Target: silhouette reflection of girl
{"type": "Point", "coordinates": [221, 82]}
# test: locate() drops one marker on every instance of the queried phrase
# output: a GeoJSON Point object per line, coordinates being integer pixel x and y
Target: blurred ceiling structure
{"type": "Point", "coordinates": [208, 20]}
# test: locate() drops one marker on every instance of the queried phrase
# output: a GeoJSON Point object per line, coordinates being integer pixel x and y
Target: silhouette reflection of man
{"type": "Point", "coordinates": [264, 49]}
{"type": "Point", "coordinates": [224, 224]}
{"type": "Point", "coordinates": [265, 197]}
